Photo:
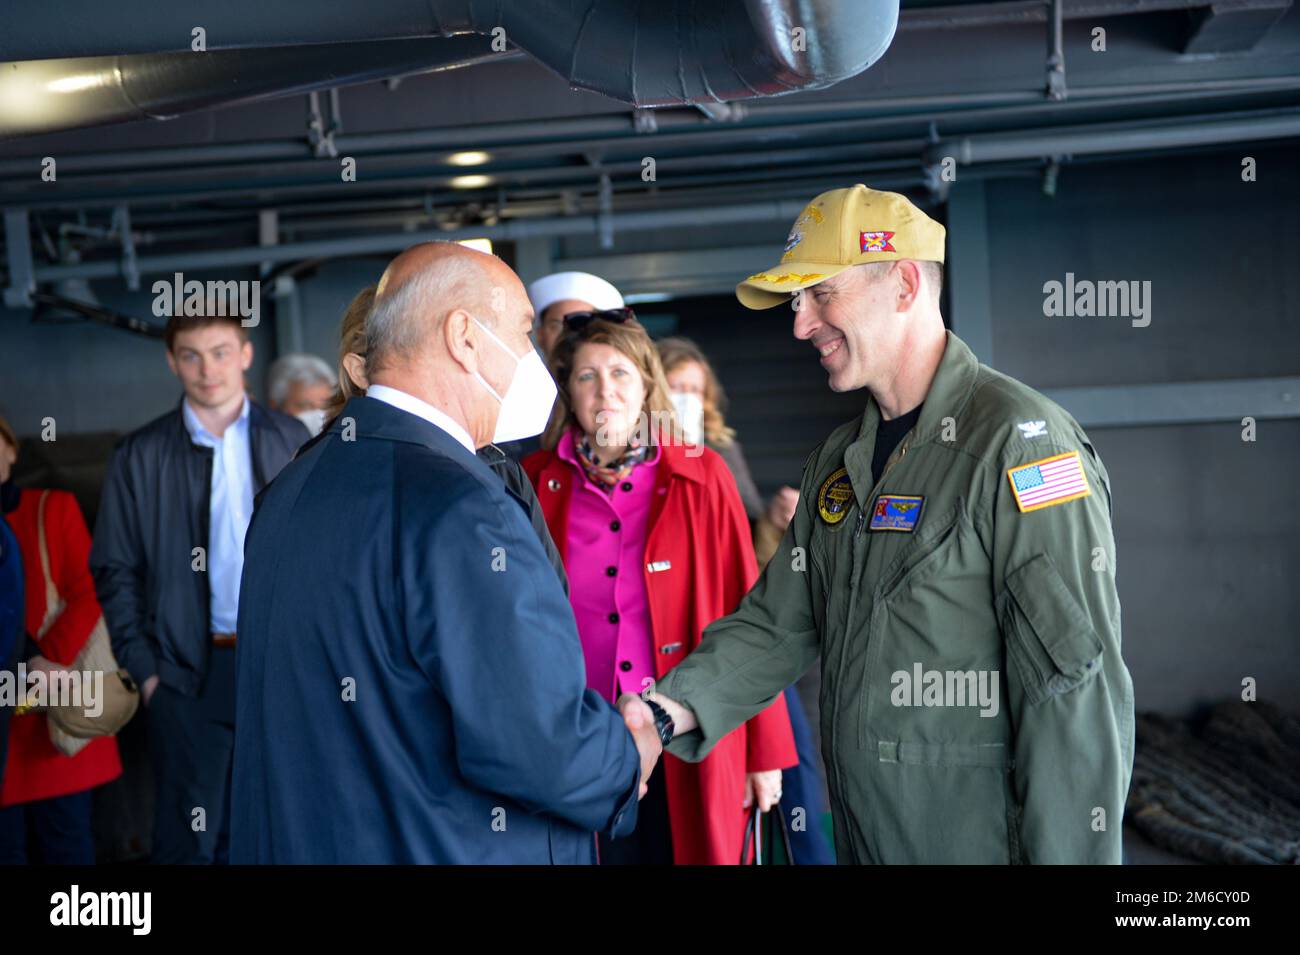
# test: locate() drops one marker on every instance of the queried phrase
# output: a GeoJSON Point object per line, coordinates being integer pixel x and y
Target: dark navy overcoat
{"type": "Point", "coordinates": [411, 685]}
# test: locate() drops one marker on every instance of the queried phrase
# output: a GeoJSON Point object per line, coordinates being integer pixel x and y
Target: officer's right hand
{"type": "Point", "coordinates": [640, 723]}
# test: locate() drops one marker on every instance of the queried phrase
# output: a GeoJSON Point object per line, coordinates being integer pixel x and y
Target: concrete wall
{"type": "Point", "coordinates": [1207, 525]}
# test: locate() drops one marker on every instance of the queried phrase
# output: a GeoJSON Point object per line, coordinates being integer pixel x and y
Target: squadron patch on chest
{"type": "Point", "coordinates": [897, 512]}
{"type": "Point", "coordinates": [835, 497]}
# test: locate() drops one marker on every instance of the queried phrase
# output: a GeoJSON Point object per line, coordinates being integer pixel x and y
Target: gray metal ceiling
{"type": "Point", "coordinates": [971, 81]}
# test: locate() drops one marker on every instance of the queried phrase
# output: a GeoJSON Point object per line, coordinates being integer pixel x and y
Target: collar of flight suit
{"type": "Point", "coordinates": [949, 393]}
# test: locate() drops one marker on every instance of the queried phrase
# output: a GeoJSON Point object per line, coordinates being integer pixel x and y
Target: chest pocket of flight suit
{"type": "Point", "coordinates": [1050, 641]}
{"type": "Point", "coordinates": [928, 550]}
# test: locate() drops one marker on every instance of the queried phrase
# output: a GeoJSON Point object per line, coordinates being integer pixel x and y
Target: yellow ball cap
{"type": "Point", "coordinates": [838, 230]}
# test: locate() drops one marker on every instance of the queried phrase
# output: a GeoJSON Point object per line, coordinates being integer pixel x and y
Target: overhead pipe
{"type": "Point", "coordinates": [17, 197]}
{"type": "Point", "coordinates": [42, 96]}
{"type": "Point", "coordinates": [973, 15]}
{"type": "Point", "coordinates": [610, 130]}
{"type": "Point", "coordinates": [410, 180]}
{"type": "Point", "coordinates": [369, 244]}
{"type": "Point", "coordinates": [673, 52]}
{"type": "Point", "coordinates": [967, 150]}
{"type": "Point", "coordinates": [98, 313]}
{"type": "Point", "coordinates": [999, 147]}
{"type": "Point", "coordinates": [1056, 52]}
{"type": "Point", "coordinates": [1114, 138]}
{"type": "Point", "coordinates": [118, 29]}
{"type": "Point", "coordinates": [428, 180]}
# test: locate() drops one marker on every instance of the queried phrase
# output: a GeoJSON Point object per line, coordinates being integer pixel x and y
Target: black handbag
{"type": "Point", "coordinates": [754, 834]}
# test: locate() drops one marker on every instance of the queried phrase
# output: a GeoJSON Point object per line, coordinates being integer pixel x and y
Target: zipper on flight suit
{"type": "Point", "coordinates": [894, 459]}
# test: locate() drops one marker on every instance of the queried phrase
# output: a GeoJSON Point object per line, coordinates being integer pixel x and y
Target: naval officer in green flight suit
{"type": "Point", "coordinates": [951, 562]}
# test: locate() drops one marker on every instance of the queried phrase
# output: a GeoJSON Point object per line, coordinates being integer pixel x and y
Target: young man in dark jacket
{"type": "Point", "coordinates": [167, 560]}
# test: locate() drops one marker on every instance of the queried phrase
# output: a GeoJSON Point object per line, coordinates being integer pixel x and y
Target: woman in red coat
{"type": "Point", "coordinates": [657, 546]}
{"type": "Point", "coordinates": [43, 792]}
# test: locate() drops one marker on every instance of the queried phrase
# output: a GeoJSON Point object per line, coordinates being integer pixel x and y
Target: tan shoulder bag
{"type": "Point", "coordinates": [70, 728]}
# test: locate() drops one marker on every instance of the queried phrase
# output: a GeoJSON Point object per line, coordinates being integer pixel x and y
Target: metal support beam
{"type": "Point", "coordinates": [781, 211]}
{"type": "Point", "coordinates": [320, 135]}
{"type": "Point", "coordinates": [605, 217]}
{"type": "Point", "coordinates": [968, 275]}
{"type": "Point", "coordinates": [533, 259]}
{"type": "Point", "coordinates": [1181, 402]}
{"type": "Point", "coordinates": [1232, 26]}
{"type": "Point", "coordinates": [1056, 52]}
{"type": "Point", "coordinates": [284, 292]}
{"type": "Point", "coordinates": [678, 272]}
{"type": "Point", "coordinates": [966, 16]}
{"type": "Point", "coordinates": [122, 227]}
{"type": "Point", "coordinates": [1116, 138]}
{"type": "Point", "coordinates": [18, 256]}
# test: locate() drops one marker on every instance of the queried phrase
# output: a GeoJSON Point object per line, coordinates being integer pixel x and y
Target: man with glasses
{"type": "Point", "coordinates": [563, 293]}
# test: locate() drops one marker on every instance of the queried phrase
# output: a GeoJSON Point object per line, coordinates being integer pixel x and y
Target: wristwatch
{"type": "Point", "coordinates": [663, 722]}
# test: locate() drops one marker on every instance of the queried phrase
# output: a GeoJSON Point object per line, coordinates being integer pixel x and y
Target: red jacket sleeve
{"type": "Point", "coordinates": [69, 547]}
{"type": "Point", "coordinates": [769, 741]}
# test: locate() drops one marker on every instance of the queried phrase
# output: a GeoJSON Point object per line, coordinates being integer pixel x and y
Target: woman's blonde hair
{"type": "Point", "coordinates": [631, 340]}
{"type": "Point", "coordinates": [675, 352]}
{"type": "Point", "coordinates": [352, 340]}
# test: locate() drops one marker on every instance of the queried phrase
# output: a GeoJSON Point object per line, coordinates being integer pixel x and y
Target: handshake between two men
{"type": "Point", "coordinates": [655, 721]}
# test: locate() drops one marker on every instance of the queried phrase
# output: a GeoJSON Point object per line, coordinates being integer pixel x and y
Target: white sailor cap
{"type": "Point", "coordinates": [581, 286]}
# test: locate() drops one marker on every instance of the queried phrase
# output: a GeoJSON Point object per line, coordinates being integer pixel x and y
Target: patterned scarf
{"type": "Point", "coordinates": [607, 476]}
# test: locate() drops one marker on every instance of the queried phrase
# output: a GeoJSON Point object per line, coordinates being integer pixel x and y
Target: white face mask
{"type": "Point", "coordinates": [690, 412]}
{"type": "Point", "coordinates": [314, 420]}
{"type": "Point", "coordinates": [526, 407]}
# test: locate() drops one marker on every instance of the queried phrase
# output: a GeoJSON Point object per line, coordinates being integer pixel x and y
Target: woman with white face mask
{"type": "Point", "coordinates": [657, 547]}
{"type": "Point", "coordinates": [698, 394]}
{"type": "Point", "coordinates": [699, 399]}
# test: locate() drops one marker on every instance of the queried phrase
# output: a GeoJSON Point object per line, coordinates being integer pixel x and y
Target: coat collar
{"type": "Point", "coordinates": [954, 382]}
{"type": "Point", "coordinates": [257, 415]}
{"type": "Point", "coordinates": [377, 419]}
{"type": "Point", "coordinates": [199, 434]}
{"type": "Point", "coordinates": [684, 461]}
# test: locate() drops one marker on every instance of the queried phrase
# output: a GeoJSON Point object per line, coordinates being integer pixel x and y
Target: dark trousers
{"type": "Point", "coordinates": [651, 842]}
{"type": "Point", "coordinates": [48, 831]}
{"type": "Point", "coordinates": [192, 742]}
{"type": "Point", "coordinates": [802, 786]}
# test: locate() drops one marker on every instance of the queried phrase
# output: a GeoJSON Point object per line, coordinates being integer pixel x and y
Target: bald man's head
{"type": "Point", "coordinates": [425, 284]}
{"type": "Point", "coordinates": [449, 326]}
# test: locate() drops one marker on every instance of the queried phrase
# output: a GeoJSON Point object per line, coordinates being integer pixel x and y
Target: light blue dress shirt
{"type": "Point", "coordinates": [230, 508]}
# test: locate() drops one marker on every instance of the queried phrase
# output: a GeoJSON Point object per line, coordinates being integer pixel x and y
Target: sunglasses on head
{"type": "Point", "coordinates": [577, 321]}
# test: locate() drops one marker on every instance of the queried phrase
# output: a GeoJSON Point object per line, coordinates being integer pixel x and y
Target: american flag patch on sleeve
{"type": "Point", "coordinates": [1053, 480]}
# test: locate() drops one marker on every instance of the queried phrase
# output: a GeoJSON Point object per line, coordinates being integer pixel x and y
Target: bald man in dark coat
{"type": "Point", "coordinates": [411, 685]}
